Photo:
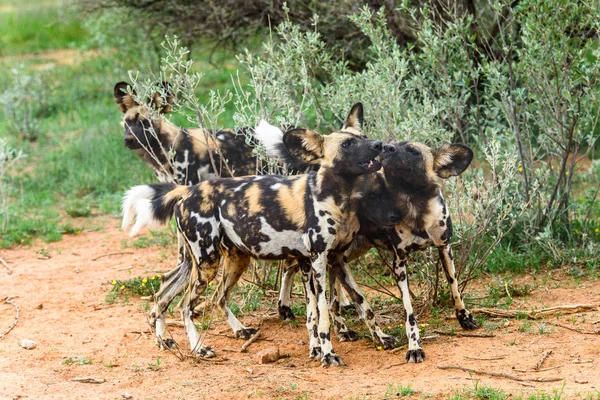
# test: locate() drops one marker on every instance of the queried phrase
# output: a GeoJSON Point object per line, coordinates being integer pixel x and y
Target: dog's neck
{"type": "Point", "coordinates": [342, 188]}
{"type": "Point", "coordinates": [415, 205]}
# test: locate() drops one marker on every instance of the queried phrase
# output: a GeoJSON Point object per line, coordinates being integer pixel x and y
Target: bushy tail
{"type": "Point", "coordinates": [150, 205]}
{"type": "Point", "coordinates": [271, 138]}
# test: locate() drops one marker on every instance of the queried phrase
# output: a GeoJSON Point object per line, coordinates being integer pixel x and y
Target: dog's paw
{"type": "Point", "coordinates": [286, 313]}
{"type": "Point", "coordinates": [245, 333]}
{"type": "Point", "coordinates": [415, 356]}
{"type": "Point", "coordinates": [466, 320]}
{"type": "Point", "coordinates": [331, 359]}
{"type": "Point", "coordinates": [347, 336]}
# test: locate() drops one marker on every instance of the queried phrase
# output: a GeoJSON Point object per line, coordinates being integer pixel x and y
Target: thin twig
{"type": "Point", "coordinates": [538, 370]}
{"type": "Point", "coordinates": [486, 358]}
{"type": "Point", "coordinates": [461, 334]}
{"type": "Point", "coordinates": [10, 328]}
{"type": "Point", "coordinates": [544, 357]}
{"type": "Point", "coordinates": [112, 254]}
{"type": "Point", "coordinates": [577, 329]}
{"type": "Point", "coordinates": [501, 375]}
{"type": "Point", "coordinates": [6, 265]}
{"type": "Point", "coordinates": [250, 341]}
{"type": "Point", "coordinates": [535, 314]}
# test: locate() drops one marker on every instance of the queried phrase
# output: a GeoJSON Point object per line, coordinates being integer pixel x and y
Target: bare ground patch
{"type": "Point", "coordinates": [62, 307]}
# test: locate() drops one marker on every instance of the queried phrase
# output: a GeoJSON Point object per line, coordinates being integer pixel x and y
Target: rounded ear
{"type": "Point", "coordinates": [163, 98]}
{"type": "Point", "coordinates": [355, 117]}
{"type": "Point", "coordinates": [451, 159]}
{"type": "Point", "coordinates": [123, 95]}
{"type": "Point", "coordinates": [304, 144]}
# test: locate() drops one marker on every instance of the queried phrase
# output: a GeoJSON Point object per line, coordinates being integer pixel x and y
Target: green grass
{"type": "Point", "coordinates": [78, 167]}
{"type": "Point", "coordinates": [33, 27]}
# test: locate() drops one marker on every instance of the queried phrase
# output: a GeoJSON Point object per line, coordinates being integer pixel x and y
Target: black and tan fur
{"type": "Point", "coordinates": [179, 155]}
{"type": "Point", "coordinates": [307, 217]}
{"type": "Point", "coordinates": [412, 172]}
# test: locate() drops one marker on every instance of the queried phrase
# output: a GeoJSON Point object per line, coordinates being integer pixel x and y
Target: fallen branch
{"type": "Point", "coordinates": [6, 265]}
{"type": "Point", "coordinates": [88, 379]}
{"type": "Point", "coordinates": [577, 329]}
{"type": "Point", "coordinates": [250, 341]}
{"type": "Point", "coordinates": [544, 356]}
{"type": "Point", "coordinates": [10, 328]}
{"type": "Point", "coordinates": [538, 370]}
{"type": "Point", "coordinates": [461, 334]}
{"type": "Point", "coordinates": [486, 358]}
{"type": "Point", "coordinates": [112, 254]}
{"type": "Point", "coordinates": [501, 375]}
{"type": "Point", "coordinates": [535, 314]}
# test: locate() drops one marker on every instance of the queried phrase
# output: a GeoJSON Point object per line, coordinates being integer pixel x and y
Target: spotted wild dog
{"type": "Point", "coordinates": [307, 217]}
{"type": "Point", "coordinates": [412, 172]}
{"type": "Point", "coordinates": [179, 155]}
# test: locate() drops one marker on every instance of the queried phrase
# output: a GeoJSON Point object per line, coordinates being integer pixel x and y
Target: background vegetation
{"type": "Point", "coordinates": [517, 81]}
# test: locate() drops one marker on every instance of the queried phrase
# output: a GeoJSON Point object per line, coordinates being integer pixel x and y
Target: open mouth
{"type": "Point", "coordinates": [374, 163]}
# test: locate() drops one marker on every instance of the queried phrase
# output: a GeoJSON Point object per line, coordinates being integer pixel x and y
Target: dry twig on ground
{"type": "Point", "coordinates": [544, 357]}
{"type": "Point", "coordinates": [535, 314]}
{"type": "Point", "coordinates": [6, 265]}
{"type": "Point", "coordinates": [501, 375]}
{"type": "Point", "coordinates": [10, 328]}
{"type": "Point", "coordinates": [250, 341]}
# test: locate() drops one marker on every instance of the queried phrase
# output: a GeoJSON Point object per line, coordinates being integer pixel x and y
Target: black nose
{"type": "Point", "coordinates": [395, 218]}
{"type": "Point", "coordinates": [130, 141]}
{"type": "Point", "coordinates": [388, 148]}
{"type": "Point", "coordinates": [376, 145]}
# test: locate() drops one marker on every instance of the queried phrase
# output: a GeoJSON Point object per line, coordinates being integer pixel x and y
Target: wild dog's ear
{"type": "Point", "coordinates": [163, 99]}
{"type": "Point", "coordinates": [304, 144]}
{"type": "Point", "coordinates": [355, 117]}
{"type": "Point", "coordinates": [451, 159]}
{"type": "Point", "coordinates": [124, 96]}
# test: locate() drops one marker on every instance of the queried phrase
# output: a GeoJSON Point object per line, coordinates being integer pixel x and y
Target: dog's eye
{"type": "Point", "coordinates": [347, 143]}
{"type": "Point", "coordinates": [413, 151]}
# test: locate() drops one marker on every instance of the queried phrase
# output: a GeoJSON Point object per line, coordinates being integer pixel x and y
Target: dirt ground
{"type": "Point", "coordinates": [61, 297]}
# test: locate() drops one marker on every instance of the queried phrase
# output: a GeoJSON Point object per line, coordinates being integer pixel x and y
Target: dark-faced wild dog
{"type": "Point", "coordinates": [307, 217]}
{"type": "Point", "coordinates": [179, 155]}
{"type": "Point", "coordinates": [412, 173]}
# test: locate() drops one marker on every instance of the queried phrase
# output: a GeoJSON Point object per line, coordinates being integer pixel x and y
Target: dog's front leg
{"type": "Point", "coordinates": [319, 269]}
{"type": "Point", "coordinates": [312, 312]}
{"type": "Point", "coordinates": [464, 316]}
{"type": "Point", "coordinates": [415, 353]}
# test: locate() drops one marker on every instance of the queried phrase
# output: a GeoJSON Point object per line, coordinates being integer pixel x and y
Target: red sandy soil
{"type": "Point", "coordinates": [62, 307]}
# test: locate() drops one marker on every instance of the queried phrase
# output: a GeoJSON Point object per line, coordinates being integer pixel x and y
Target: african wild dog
{"type": "Point", "coordinates": [183, 156]}
{"type": "Point", "coordinates": [309, 216]}
{"type": "Point", "coordinates": [412, 172]}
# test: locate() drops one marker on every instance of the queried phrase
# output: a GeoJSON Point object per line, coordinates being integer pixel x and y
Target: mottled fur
{"type": "Point", "coordinates": [412, 173]}
{"type": "Point", "coordinates": [179, 155]}
{"type": "Point", "coordinates": [307, 217]}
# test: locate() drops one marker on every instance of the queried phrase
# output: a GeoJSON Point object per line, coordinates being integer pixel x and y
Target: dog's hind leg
{"type": "Point", "coordinates": [464, 316]}
{"type": "Point", "coordinates": [285, 292]}
{"type": "Point", "coordinates": [342, 270]}
{"type": "Point", "coordinates": [342, 331]}
{"type": "Point", "coordinates": [234, 265]}
{"type": "Point", "coordinates": [172, 284]}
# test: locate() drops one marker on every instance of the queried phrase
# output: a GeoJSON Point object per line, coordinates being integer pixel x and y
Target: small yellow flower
{"type": "Point", "coordinates": [520, 169]}
{"type": "Point", "coordinates": [153, 277]}
{"type": "Point", "coordinates": [210, 284]}
{"type": "Point", "coordinates": [597, 230]}
{"type": "Point", "coordinates": [576, 230]}
{"type": "Point", "coordinates": [114, 282]}
{"type": "Point", "coordinates": [159, 276]}
{"type": "Point", "coordinates": [122, 287]}
{"type": "Point", "coordinates": [389, 327]}
{"type": "Point", "coordinates": [552, 166]}
{"type": "Point", "coordinates": [379, 348]}
{"type": "Point", "coordinates": [143, 284]}
{"type": "Point", "coordinates": [144, 280]}
{"type": "Point", "coordinates": [566, 172]}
